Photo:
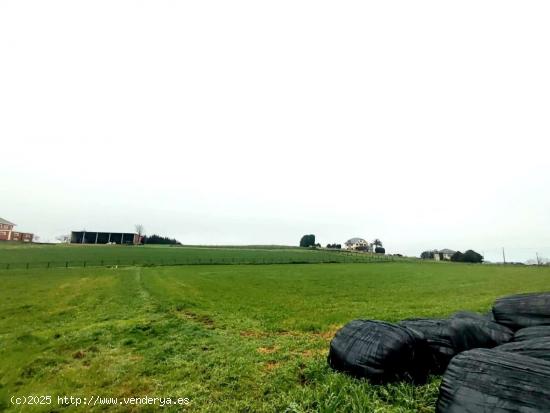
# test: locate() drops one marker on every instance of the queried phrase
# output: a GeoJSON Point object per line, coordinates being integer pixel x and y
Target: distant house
{"type": "Point", "coordinates": [443, 255]}
{"type": "Point", "coordinates": [358, 244]}
{"type": "Point", "coordinates": [8, 234]}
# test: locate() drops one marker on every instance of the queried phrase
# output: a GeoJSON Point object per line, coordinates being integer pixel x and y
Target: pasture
{"type": "Point", "coordinates": [250, 338]}
{"type": "Point", "coordinates": [27, 256]}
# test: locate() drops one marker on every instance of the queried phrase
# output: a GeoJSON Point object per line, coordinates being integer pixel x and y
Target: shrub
{"type": "Point", "coordinates": [380, 250]}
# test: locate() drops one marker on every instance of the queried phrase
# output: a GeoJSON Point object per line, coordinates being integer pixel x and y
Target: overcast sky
{"type": "Point", "coordinates": [425, 124]}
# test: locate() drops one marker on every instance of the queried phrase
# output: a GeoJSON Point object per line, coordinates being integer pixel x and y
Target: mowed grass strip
{"type": "Point", "coordinates": [231, 338]}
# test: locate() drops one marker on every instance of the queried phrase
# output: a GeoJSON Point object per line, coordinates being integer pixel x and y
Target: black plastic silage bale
{"type": "Point", "coordinates": [484, 380]}
{"type": "Point", "coordinates": [437, 334]}
{"type": "Point", "coordinates": [530, 333]}
{"type": "Point", "coordinates": [379, 351]}
{"type": "Point", "coordinates": [536, 347]}
{"type": "Point", "coordinates": [471, 314]}
{"type": "Point", "coordinates": [523, 310]}
{"type": "Point", "coordinates": [476, 331]}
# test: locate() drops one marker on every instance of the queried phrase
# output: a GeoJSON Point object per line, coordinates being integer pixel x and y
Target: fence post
{"type": "Point", "coordinates": [66, 264]}
{"type": "Point", "coordinates": [84, 264]}
{"type": "Point", "coordinates": [48, 265]}
{"type": "Point", "coordinates": [7, 266]}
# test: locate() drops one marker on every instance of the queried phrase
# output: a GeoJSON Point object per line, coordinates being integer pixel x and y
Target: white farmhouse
{"type": "Point", "coordinates": [358, 244]}
{"type": "Point", "coordinates": [443, 255]}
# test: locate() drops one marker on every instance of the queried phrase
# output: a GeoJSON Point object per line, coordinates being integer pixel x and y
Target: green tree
{"type": "Point", "coordinates": [468, 256]}
{"type": "Point", "coordinates": [457, 257]}
{"type": "Point", "coordinates": [427, 255]}
{"type": "Point", "coordinates": [472, 256]}
{"type": "Point", "coordinates": [307, 241]}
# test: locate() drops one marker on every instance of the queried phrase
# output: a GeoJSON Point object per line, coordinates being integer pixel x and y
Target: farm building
{"type": "Point", "coordinates": [8, 234]}
{"type": "Point", "coordinates": [443, 255]}
{"type": "Point", "coordinates": [358, 244]}
{"type": "Point", "coordinates": [94, 237]}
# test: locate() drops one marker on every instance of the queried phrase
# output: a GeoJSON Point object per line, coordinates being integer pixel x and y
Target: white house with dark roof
{"type": "Point", "coordinates": [443, 255]}
{"type": "Point", "coordinates": [358, 244]}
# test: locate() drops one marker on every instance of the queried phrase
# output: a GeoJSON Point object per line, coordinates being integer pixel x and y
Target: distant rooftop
{"type": "Point", "coordinates": [355, 240]}
{"type": "Point", "coordinates": [3, 221]}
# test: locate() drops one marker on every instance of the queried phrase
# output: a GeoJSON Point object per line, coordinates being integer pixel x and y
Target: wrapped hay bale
{"type": "Point", "coordinates": [379, 351]}
{"type": "Point", "coordinates": [483, 380]}
{"type": "Point", "coordinates": [469, 332]}
{"type": "Point", "coordinates": [529, 333]}
{"type": "Point", "coordinates": [471, 314]}
{"type": "Point", "coordinates": [536, 347]}
{"type": "Point", "coordinates": [523, 310]}
{"type": "Point", "coordinates": [463, 331]}
{"type": "Point", "coordinates": [437, 334]}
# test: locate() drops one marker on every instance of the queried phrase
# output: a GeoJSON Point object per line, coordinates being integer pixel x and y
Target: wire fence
{"type": "Point", "coordinates": [317, 259]}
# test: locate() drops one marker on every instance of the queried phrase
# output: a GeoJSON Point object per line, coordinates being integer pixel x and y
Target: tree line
{"type": "Point", "coordinates": [157, 239]}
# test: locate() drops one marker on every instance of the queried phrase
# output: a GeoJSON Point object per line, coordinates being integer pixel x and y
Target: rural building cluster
{"type": "Point", "coordinates": [8, 234]}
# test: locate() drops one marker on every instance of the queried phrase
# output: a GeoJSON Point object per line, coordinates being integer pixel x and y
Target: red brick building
{"type": "Point", "coordinates": [8, 234]}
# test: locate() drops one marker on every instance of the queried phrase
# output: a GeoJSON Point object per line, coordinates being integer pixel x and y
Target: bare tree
{"type": "Point", "coordinates": [139, 229]}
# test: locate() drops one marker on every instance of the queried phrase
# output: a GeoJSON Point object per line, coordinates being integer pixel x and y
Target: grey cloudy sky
{"type": "Point", "coordinates": [425, 124]}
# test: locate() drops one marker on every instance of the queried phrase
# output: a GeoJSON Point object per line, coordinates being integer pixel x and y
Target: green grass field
{"type": "Point", "coordinates": [17, 255]}
{"type": "Point", "coordinates": [249, 338]}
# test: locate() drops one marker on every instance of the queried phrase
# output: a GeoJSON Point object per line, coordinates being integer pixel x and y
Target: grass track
{"type": "Point", "coordinates": [231, 338]}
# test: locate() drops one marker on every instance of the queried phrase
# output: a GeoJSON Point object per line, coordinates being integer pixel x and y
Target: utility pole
{"type": "Point", "coordinates": [503, 256]}
{"type": "Point", "coordinates": [538, 259]}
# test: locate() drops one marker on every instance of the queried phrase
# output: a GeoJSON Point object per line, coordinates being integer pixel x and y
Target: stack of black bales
{"type": "Point", "coordinates": [498, 362]}
{"type": "Point", "coordinates": [512, 377]}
